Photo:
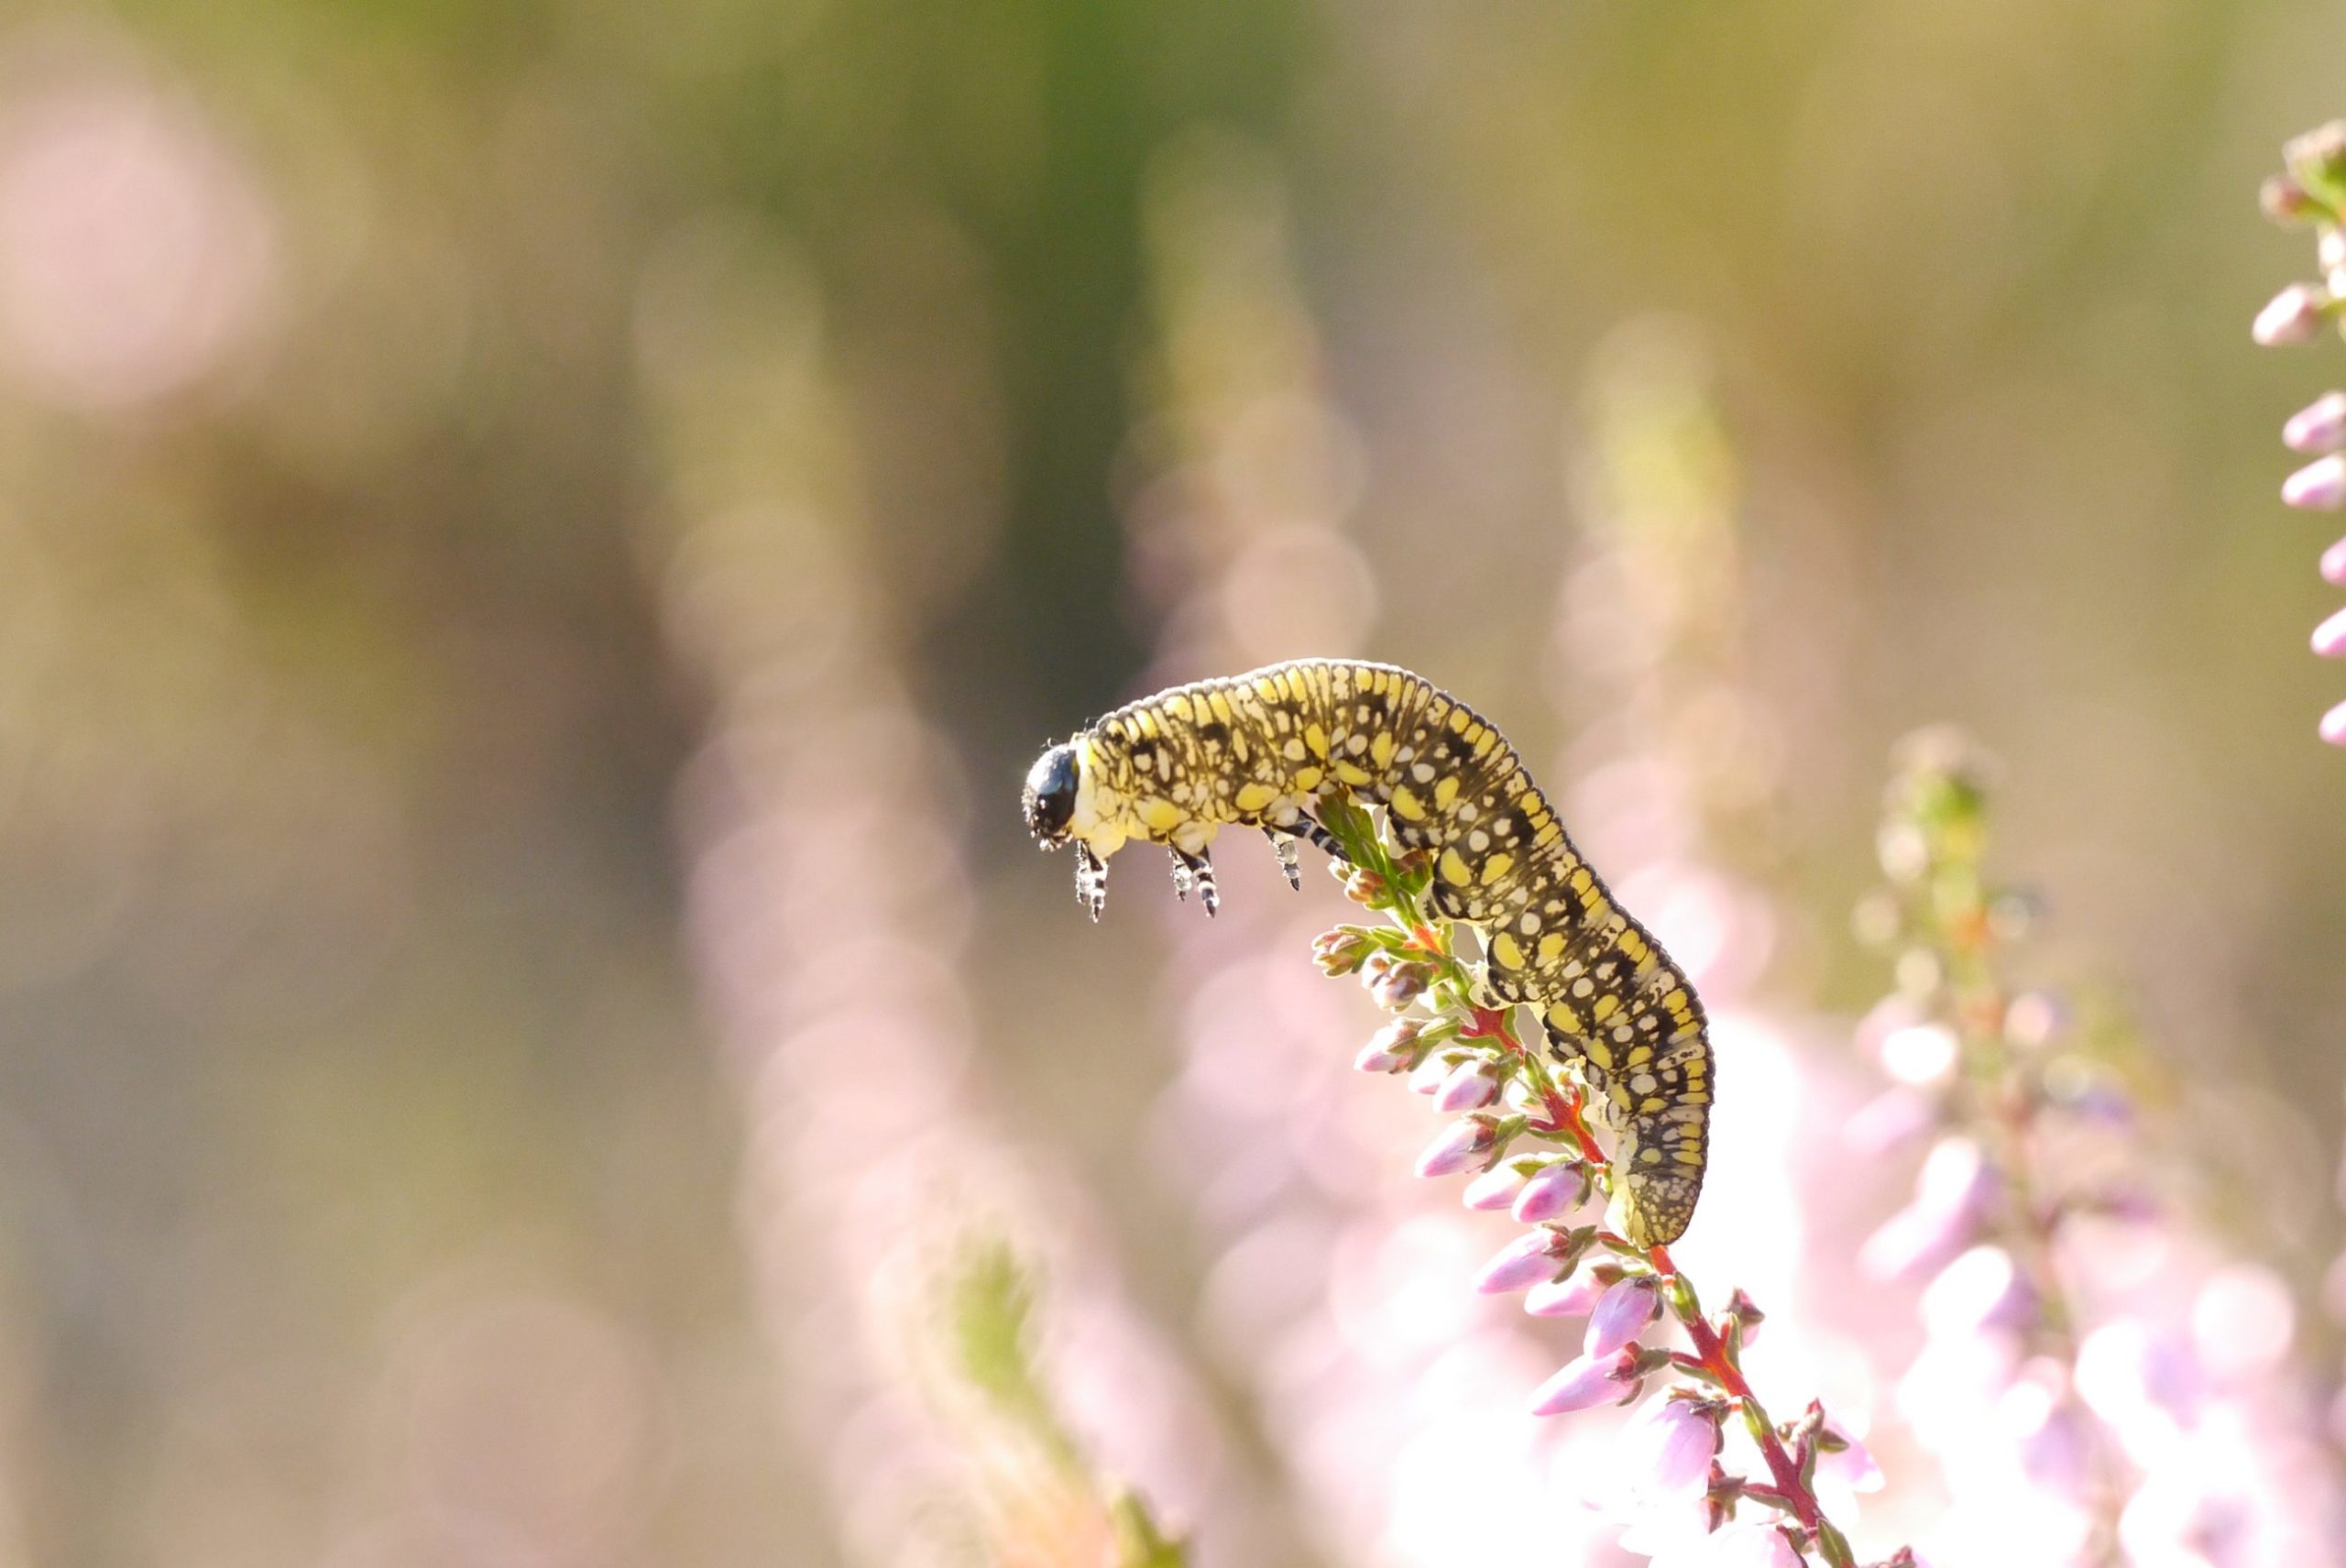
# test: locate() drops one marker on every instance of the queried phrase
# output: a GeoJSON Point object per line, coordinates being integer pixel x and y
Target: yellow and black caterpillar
{"type": "Point", "coordinates": [1265, 748]}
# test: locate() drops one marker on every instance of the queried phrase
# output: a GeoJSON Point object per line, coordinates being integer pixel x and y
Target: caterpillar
{"type": "Point", "coordinates": [1268, 748]}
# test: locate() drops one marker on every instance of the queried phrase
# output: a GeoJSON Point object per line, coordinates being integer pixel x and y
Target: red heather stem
{"type": "Point", "coordinates": [1711, 1350]}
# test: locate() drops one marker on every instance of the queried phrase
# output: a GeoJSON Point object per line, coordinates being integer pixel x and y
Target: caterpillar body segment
{"type": "Point", "coordinates": [1266, 749]}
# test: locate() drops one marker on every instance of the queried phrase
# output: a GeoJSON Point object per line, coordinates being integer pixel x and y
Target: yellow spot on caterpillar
{"type": "Point", "coordinates": [1688, 1157]}
{"type": "Point", "coordinates": [1455, 869]}
{"type": "Point", "coordinates": [1407, 805]}
{"type": "Point", "coordinates": [1381, 749]}
{"type": "Point", "coordinates": [1601, 1054]}
{"type": "Point", "coordinates": [1351, 774]}
{"type": "Point", "coordinates": [1507, 950]}
{"type": "Point", "coordinates": [1648, 1107]}
{"type": "Point", "coordinates": [1445, 792]}
{"type": "Point", "coordinates": [1605, 1008]}
{"type": "Point", "coordinates": [1317, 738]}
{"type": "Point", "coordinates": [1631, 944]}
{"type": "Point", "coordinates": [1268, 689]}
{"type": "Point", "coordinates": [1552, 947]}
{"type": "Point", "coordinates": [1650, 1156]}
{"type": "Point", "coordinates": [1309, 778]}
{"type": "Point", "coordinates": [1497, 867]}
{"type": "Point", "coordinates": [1458, 720]}
{"type": "Point", "coordinates": [1254, 796]}
{"type": "Point", "coordinates": [1160, 815]}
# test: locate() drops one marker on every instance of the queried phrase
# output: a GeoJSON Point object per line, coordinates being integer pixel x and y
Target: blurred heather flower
{"type": "Point", "coordinates": [2293, 315]}
{"type": "Point", "coordinates": [2319, 485]}
{"type": "Point", "coordinates": [2054, 1414]}
{"type": "Point", "coordinates": [2319, 426]}
{"type": "Point", "coordinates": [2312, 191]}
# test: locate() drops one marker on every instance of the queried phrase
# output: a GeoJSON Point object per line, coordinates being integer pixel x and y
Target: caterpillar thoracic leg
{"type": "Point", "coordinates": [1196, 871]}
{"type": "Point", "coordinates": [1283, 846]}
{"type": "Point", "coordinates": [1268, 748]}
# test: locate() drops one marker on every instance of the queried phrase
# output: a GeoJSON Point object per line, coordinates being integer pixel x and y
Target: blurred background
{"type": "Point", "coordinates": [537, 540]}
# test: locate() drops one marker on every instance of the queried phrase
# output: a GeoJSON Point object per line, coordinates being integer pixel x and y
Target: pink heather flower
{"type": "Point", "coordinates": [1430, 1075]}
{"type": "Point", "coordinates": [1982, 1289]}
{"type": "Point", "coordinates": [1852, 1465]}
{"type": "Point", "coordinates": [2330, 637]}
{"type": "Point", "coordinates": [2293, 315]}
{"type": "Point", "coordinates": [1584, 1381]}
{"type": "Point", "coordinates": [1550, 1194]}
{"type": "Point", "coordinates": [1526, 1261]}
{"type": "Point", "coordinates": [2333, 725]}
{"type": "Point", "coordinates": [1460, 1145]}
{"type": "Point", "coordinates": [2319, 426]}
{"type": "Point", "coordinates": [1621, 1316]}
{"type": "Point", "coordinates": [1375, 1058]}
{"type": "Point", "coordinates": [1952, 1190]}
{"type": "Point", "coordinates": [1669, 1447]}
{"type": "Point", "coordinates": [1495, 1189]}
{"type": "Point", "coordinates": [2319, 485]}
{"type": "Point", "coordinates": [1568, 1298]}
{"type": "Point", "coordinates": [2333, 563]}
{"type": "Point", "coordinates": [1470, 1086]}
{"type": "Point", "coordinates": [1895, 1116]}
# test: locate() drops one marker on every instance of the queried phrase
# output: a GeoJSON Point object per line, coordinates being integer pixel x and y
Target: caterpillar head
{"type": "Point", "coordinates": [1060, 807]}
{"type": "Point", "coordinates": [1052, 787]}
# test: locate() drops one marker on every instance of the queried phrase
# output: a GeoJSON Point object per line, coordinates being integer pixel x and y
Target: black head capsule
{"type": "Point", "coordinates": [1049, 800]}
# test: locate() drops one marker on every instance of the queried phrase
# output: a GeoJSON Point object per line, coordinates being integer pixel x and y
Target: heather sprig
{"type": "Point", "coordinates": [2310, 193]}
{"type": "Point", "coordinates": [1521, 1126]}
{"type": "Point", "coordinates": [1033, 1495]}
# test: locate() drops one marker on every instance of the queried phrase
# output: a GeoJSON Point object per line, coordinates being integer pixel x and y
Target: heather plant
{"type": "Point", "coordinates": [1519, 1123]}
{"type": "Point", "coordinates": [2310, 193]}
{"type": "Point", "coordinates": [2098, 1383]}
{"type": "Point", "coordinates": [1030, 1495]}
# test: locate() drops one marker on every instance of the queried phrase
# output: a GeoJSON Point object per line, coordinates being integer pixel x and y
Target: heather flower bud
{"type": "Point", "coordinates": [1392, 1048]}
{"type": "Point", "coordinates": [1342, 950]}
{"type": "Point", "coordinates": [1495, 1189]}
{"type": "Point", "coordinates": [1584, 1382]}
{"type": "Point", "coordinates": [2319, 485]}
{"type": "Point", "coordinates": [1430, 1075]}
{"type": "Point", "coordinates": [2330, 637]}
{"type": "Point", "coordinates": [2333, 563]}
{"type": "Point", "coordinates": [2333, 725]}
{"type": "Point", "coordinates": [1672, 1445]}
{"type": "Point", "coordinates": [2318, 159]}
{"type": "Point", "coordinates": [2319, 426]}
{"type": "Point", "coordinates": [2293, 315]}
{"type": "Point", "coordinates": [1621, 1315]}
{"type": "Point", "coordinates": [2286, 201]}
{"type": "Point", "coordinates": [1470, 1086]}
{"type": "Point", "coordinates": [1571, 1296]}
{"type": "Point", "coordinates": [1400, 984]}
{"type": "Point", "coordinates": [1526, 1261]}
{"type": "Point", "coordinates": [1364, 886]}
{"type": "Point", "coordinates": [1552, 1192]}
{"type": "Point", "coordinates": [1461, 1145]}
